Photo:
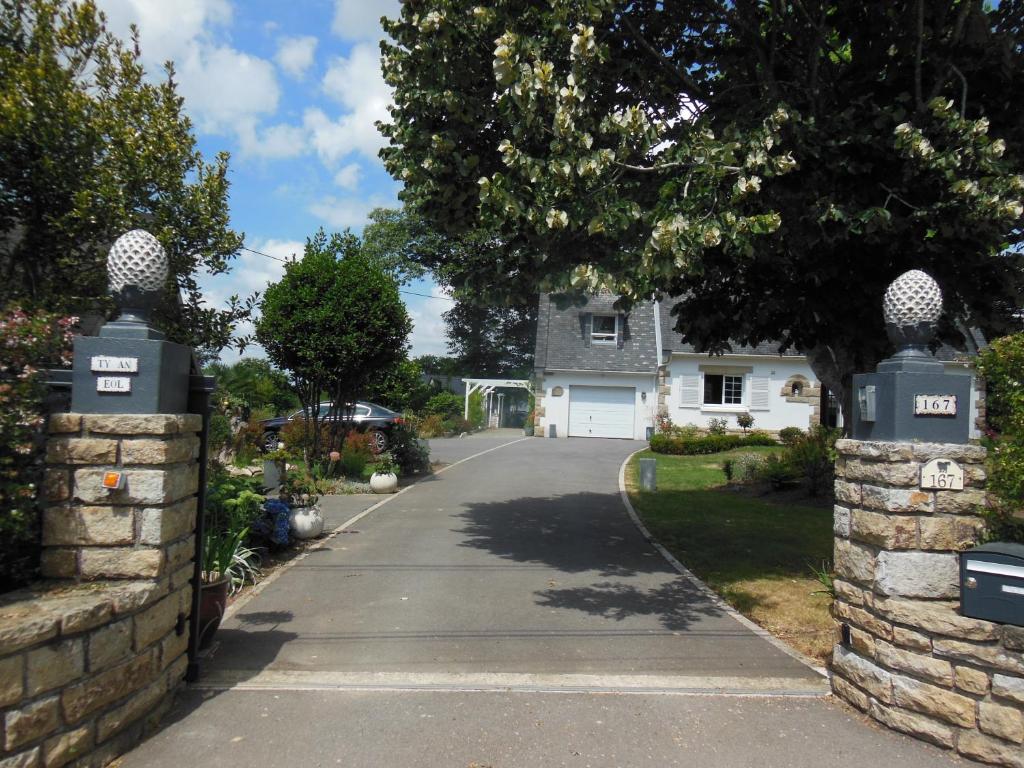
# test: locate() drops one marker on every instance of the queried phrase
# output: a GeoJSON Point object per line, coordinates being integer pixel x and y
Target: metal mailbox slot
{"type": "Point", "coordinates": [992, 583]}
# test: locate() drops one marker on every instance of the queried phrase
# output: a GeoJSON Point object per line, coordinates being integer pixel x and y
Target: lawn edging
{"type": "Point", "coordinates": [687, 574]}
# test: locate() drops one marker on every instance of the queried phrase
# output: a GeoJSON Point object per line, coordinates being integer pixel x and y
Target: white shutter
{"type": "Point", "coordinates": [759, 393]}
{"type": "Point", "coordinates": [689, 390]}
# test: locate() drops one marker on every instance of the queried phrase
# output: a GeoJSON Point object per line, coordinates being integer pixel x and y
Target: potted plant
{"type": "Point", "coordinates": [227, 564]}
{"type": "Point", "coordinates": [275, 464]}
{"type": "Point", "coordinates": [305, 518]}
{"type": "Point", "coordinates": [384, 478]}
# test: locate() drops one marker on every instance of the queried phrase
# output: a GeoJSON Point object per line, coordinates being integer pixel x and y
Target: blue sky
{"type": "Point", "coordinates": [292, 91]}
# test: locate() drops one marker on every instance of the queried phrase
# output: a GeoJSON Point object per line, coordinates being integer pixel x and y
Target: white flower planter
{"type": "Point", "coordinates": [306, 522]}
{"type": "Point", "coordinates": [387, 483]}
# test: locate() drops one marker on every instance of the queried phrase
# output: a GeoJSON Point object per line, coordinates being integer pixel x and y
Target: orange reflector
{"type": "Point", "coordinates": [113, 481]}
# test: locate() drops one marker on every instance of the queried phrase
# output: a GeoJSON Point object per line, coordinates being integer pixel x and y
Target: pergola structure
{"type": "Point", "coordinates": [487, 387]}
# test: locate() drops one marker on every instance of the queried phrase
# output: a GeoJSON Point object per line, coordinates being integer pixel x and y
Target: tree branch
{"type": "Point", "coordinates": [684, 78]}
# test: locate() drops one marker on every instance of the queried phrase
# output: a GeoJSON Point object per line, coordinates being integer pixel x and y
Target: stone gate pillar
{"type": "Point", "coordinates": [905, 507]}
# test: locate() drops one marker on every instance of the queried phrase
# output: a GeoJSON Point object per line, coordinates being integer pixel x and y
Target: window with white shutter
{"type": "Point", "coordinates": [759, 393]}
{"type": "Point", "coordinates": [689, 390]}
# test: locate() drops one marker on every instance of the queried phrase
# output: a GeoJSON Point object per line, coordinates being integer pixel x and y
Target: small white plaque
{"type": "Point", "coordinates": [113, 384]}
{"type": "Point", "coordinates": [935, 405]}
{"type": "Point", "coordinates": [942, 475]}
{"type": "Point", "coordinates": [105, 364]}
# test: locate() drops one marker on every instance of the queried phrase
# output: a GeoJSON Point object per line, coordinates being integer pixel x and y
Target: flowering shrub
{"type": "Point", "coordinates": [29, 342]}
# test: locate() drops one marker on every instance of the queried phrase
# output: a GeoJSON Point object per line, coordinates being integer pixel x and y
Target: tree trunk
{"type": "Point", "coordinates": [835, 369]}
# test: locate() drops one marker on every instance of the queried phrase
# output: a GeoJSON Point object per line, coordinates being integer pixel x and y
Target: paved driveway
{"type": "Point", "coordinates": [498, 614]}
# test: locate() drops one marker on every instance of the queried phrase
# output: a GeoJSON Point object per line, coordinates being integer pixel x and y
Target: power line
{"type": "Point", "coordinates": [400, 290]}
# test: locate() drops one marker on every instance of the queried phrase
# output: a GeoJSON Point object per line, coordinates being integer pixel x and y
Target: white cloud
{"type": "Point", "coordinates": [429, 335]}
{"type": "Point", "coordinates": [348, 177]}
{"type": "Point", "coordinates": [222, 86]}
{"type": "Point", "coordinates": [295, 54]}
{"type": "Point", "coordinates": [341, 212]}
{"type": "Point", "coordinates": [360, 19]}
{"type": "Point", "coordinates": [275, 142]}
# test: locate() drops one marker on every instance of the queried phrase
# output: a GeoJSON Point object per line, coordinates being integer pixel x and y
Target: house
{"type": "Point", "coordinates": [603, 373]}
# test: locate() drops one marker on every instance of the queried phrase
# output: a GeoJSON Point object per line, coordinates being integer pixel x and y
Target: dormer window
{"type": "Point", "coordinates": [605, 329]}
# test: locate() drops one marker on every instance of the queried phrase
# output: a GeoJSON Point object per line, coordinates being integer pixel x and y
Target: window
{"type": "Point", "coordinates": [605, 329]}
{"type": "Point", "coordinates": [720, 389]}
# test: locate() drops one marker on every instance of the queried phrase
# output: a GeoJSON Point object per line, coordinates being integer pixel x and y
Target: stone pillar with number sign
{"type": "Point", "coordinates": [910, 492]}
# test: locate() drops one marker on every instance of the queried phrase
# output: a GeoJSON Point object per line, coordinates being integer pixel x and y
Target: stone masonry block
{"type": "Point", "coordinates": [135, 595]}
{"type": "Point", "coordinates": [962, 453]}
{"type": "Point", "coordinates": [58, 563]}
{"type": "Point", "coordinates": [949, 533]}
{"type": "Point", "coordinates": [971, 680]}
{"type": "Point", "coordinates": [110, 645]}
{"type": "Point", "coordinates": [55, 665]}
{"type": "Point", "coordinates": [1009, 688]}
{"type": "Point", "coordinates": [64, 423]}
{"type": "Point", "coordinates": [938, 617]}
{"type": "Point", "coordinates": [932, 700]}
{"type": "Point", "coordinates": [908, 638]}
{"type": "Point", "coordinates": [876, 472]}
{"type": "Point", "coordinates": [863, 673]}
{"type": "Point", "coordinates": [12, 675]}
{"type": "Point", "coordinates": [841, 521]}
{"type": "Point", "coordinates": [1005, 722]}
{"type": "Point", "coordinates": [918, 574]}
{"type": "Point", "coordinates": [862, 618]}
{"type": "Point", "coordinates": [886, 531]}
{"type": "Point", "coordinates": [1013, 637]}
{"type": "Point", "coordinates": [82, 609]}
{"type": "Point", "coordinates": [172, 647]}
{"type": "Point", "coordinates": [160, 525]}
{"type": "Point", "coordinates": [88, 526]}
{"type": "Point", "coordinates": [23, 625]}
{"type": "Point", "coordinates": [121, 563]}
{"type": "Point", "coordinates": [848, 494]}
{"type": "Point", "coordinates": [934, 670]}
{"type": "Point", "coordinates": [56, 484]}
{"type": "Point", "coordinates": [118, 719]}
{"type": "Point", "coordinates": [156, 621]}
{"type": "Point", "coordinates": [132, 424]}
{"type": "Point", "coordinates": [988, 750]}
{"type": "Point", "coordinates": [80, 450]}
{"type": "Point", "coordinates": [982, 655]}
{"type": "Point", "coordinates": [179, 553]}
{"type": "Point", "coordinates": [66, 747]}
{"type": "Point", "coordinates": [896, 499]}
{"type": "Point", "coordinates": [30, 722]}
{"type": "Point", "coordinates": [916, 725]}
{"type": "Point", "coordinates": [106, 687]}
{"type": "Point", "coordinates": [870, 450]}
{"type": "Point", "coordinates": [848, 592]}
{"type": "Point", "coordinates": [142, 486]}
{"type": "Point", "coordinates": [970, 501]}
{"type": "Point", "coordinates": [850, 693]}
{"type": "Point", "coordinates": [854, 562]}
{"type": "Point", "coordinates": [151, 451]}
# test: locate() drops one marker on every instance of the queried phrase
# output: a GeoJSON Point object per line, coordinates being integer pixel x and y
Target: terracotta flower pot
{"type": "Point", "coordinates": [213, 600]}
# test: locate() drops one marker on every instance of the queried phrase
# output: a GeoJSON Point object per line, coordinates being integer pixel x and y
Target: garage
{"type": "Point", "coordinates": [602, 411]}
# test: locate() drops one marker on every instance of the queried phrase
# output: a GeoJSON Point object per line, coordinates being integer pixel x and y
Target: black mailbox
{"type": "Point", "coordinates": [992, 583]}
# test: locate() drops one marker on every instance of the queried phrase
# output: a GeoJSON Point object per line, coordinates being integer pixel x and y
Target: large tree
{"type": "Point", "coordinates": [334, 321]}
{"type": "Point", "coordinates": [91, 148]}
{"type": "Point", "coordinates": [776, 163]}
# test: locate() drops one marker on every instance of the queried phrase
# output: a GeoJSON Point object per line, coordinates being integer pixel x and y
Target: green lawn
{"type": "Point", "coordinates": [756, 553]}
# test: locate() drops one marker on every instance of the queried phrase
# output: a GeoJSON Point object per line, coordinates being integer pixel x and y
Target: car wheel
{"type": "Point", "coordinates": [380, 440]}
{"type": "Point", "coordinates": [270, 441]}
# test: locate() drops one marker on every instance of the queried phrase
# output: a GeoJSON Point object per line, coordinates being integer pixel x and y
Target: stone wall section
{"type": "Point", "coordinates": [912, 661]}
{"type": "Point", "coordinates": [89, 658]}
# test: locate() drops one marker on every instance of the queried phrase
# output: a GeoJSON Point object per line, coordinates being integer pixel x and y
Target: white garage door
{"type": "Point", "coordinates": [601, 411]}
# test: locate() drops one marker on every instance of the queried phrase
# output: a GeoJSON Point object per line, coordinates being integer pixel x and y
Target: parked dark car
{"type": "Point", "coordinates": [377, 420]}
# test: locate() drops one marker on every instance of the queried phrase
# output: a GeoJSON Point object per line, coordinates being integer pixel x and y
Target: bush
{"type": "Point", "coordinates": [297, 436]}
{"type": "Point", "coordinates": [356, 454]}
{"type": "Point", "coordinates": [717, 426]}
{"type": "Point", "coordinates": [777, 471]}
{"type": "Point", "coordinates": [476, 413]}
{"type": "Point", "coordinates": [748, 467]}
{"type": "Point", "coordinates": [1002, 364]}
{"type": "Point", "coordinates": [813, 456]}
{"type": "Point", "coordinates": [789, 435]}
{"type": "Point", "coordinates": [447, 405]}
{"type": "Point", "coordinates": [30, 343]}
{"type": "Point", "coordinates": [248, 442]}
{"type": "Point", "coordinates": [728, 467]}
{"type": "Point", "coordinates": [411, 454]}
{"type": "Point", "coordinates": [220, 436]}
{"type": "Point", "coordinates": [431, 426]}
{"type": "Point", "coordinates": [745, 421]}
{"type": "Point", "coordinates": [690, 446]}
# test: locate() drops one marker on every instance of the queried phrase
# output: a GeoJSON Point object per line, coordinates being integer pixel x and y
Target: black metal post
{"type": "Point", "coordinates": [201, 390]}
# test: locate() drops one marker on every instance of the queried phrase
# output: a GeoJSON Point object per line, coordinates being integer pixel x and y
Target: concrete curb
{"type": "Point", "coordinates": [700, 585]}
{"type": "Point", "coordinates": [236, 606]}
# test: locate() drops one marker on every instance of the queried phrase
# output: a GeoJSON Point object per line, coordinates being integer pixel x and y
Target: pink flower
{"type": "Point", "coordinates": [334, 456]}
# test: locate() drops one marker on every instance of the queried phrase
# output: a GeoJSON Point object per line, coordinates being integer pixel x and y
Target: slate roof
{"type": "Point", "coordinates": [561, 344]}
{"type": "Point", "coordinates": [672, 340]}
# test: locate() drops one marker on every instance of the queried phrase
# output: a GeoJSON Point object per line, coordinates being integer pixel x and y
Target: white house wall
{"type": "Point", "coordinates": [556, 409]}
{"type": "Point", "coordinates": [779, 412]}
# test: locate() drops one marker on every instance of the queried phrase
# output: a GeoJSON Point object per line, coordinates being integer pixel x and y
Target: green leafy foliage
{"type": "Point", "coordinates": [687, 446]}
{"type": "Point", "coordinates": [1002, 365]}
{"type": "Point", "coordinates": [447, 405]}
{"type": "Point", "coordinates": [717, 426]}
{"type": "Point", "coordinates": [410, 453]}
{"type": "Point", "coordinates": [399, 387]}
{"type": "Point", "coordinates": [30, 343]}
{"type": "Point", "coordinates": [477, 418]}
{"type": "Point", "coordinates": [334, 320]}
{"type": "Point", "coordinates": [813, 456]}
{"type": "Point", "coordinates": [252, 384]}
{"type": "Point", "coordinates": [743, 156]}
{"type": "Point", "coordinates": [745, 421]}
{"type": "Point", "coordinates": [91, 147]}
{"type": "Point", "coordinates": [789, 435]}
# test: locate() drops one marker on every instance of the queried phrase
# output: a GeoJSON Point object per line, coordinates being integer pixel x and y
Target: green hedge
{"type": "Point", "coordinates": [689, 446]}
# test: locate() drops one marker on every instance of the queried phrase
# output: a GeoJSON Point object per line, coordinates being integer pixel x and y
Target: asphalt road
{"type": "Point", "coordinates": [505, 613]}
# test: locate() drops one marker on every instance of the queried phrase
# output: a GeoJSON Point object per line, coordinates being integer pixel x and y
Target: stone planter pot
{"type": "Point", "coordinates": [273, 472]}
{"type": "Point", "coordinates": [213, 600]}
{"type": "Point", "coordinates": [384, 483]}
{"type": "Point", "coordinates": [306, 522]}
